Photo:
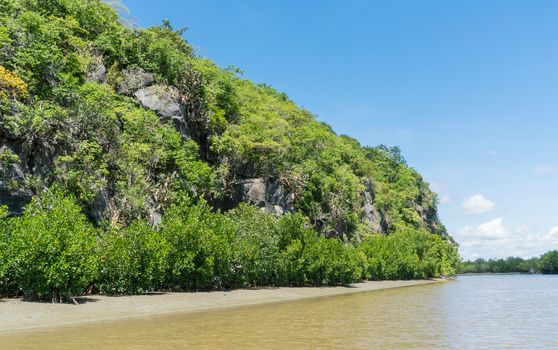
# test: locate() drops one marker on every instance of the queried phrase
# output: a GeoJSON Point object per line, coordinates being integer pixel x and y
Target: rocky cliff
{"type": "Point", "coordinates": [125, 118]}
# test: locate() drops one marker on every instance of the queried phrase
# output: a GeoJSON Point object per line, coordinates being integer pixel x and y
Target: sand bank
{"type": "Point", "coordinates": [17, 315]}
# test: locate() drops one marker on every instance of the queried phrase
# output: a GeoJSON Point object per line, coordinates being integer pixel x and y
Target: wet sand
{"type": "Point", "coordinates": [17, 315]}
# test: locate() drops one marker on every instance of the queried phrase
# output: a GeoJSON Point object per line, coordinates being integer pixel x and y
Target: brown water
{"type": "Point", "coordinates": [473, 312]}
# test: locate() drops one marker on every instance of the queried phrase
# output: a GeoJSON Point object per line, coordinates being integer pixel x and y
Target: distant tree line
{"type": "Point", "coordinates": [545, 264]}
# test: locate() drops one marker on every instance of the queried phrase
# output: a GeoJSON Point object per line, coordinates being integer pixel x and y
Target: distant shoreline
{"type": "Point", "coordinates": [496, 273]}
{"type": "Point", "coordinates": [17, 315]}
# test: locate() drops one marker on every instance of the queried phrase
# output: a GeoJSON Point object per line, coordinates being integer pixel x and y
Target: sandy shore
{"type": "Point", "coordinates": [17, 315]}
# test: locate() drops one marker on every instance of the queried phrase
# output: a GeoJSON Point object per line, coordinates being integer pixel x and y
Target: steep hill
{"type": "Point", "coordinates": [128, 122]}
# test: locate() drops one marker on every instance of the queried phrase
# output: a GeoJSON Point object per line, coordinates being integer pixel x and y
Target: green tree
{"type": "Point", "coordinates": [548, 262]}
{"type": "Point", "coordinates": [132, 260]}
{"type": "Point", "coordinates": [52, 248]}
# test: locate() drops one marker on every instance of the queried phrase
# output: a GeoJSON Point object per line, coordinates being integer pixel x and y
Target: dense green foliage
{"type": "Point", "coordinates": [147, 207]}
{"type": "Point", "coordinates": [131, 260]}
{"type": "Point", "coordinates": [546, 264]}
{"type": "Point", "coordinates": [408, 255]}
{"type": "Point", "coordinates": [48, 252]}
{"type": "Point", "coordinates": [52, 251]}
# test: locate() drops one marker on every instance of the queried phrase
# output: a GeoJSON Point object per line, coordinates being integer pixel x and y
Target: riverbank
{"type": "Point", "coordinates": [17, 315]}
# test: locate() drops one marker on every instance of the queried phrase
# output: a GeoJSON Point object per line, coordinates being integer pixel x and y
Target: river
{"type": "Point", "coordinates": [471, 312]}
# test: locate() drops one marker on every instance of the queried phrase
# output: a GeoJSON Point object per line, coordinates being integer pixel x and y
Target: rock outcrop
{"type": "Point", "coordinates": [84, 128]}
{"type": "Point", "coordinates": [268, 194]}
{"type": "Point", "coordinates": [429, 216]}
{"type": "Point", "coordinates": [134, 79]}
{"type": "Point", "coordinates": [100, 208]}
{"type": "Point", "coordinates": [165, 101]}
{"type": "Point", "coordinates": [373, 217]}
{"type": "Point", "coordinates": [274, 197]}
{"type": "Point", "coordinates": [13, 193]}
{"type": "Point", "coordinates": [97, 70]}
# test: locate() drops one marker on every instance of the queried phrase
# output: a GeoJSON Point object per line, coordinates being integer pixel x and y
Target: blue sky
{"type": "Point", "coordinates": [467, 89]}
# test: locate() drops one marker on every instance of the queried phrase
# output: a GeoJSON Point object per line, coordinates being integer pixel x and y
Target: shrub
{"type": "Point", "coordinates": [52, 248]}
{"type": "Point", "coordinates": [408, 254]}
{"type": "Point", "coordinates": [11, 85]}
{"type": "Point", "coordinates": [330, 261]}
{"type": "Point", "coordinates": [199, 246]}
{"type": "Point", "coordinates": [7, 284]}
{"type": "Point", "coordinates": [308, 259]}
{"type": "Point", "coordinates": [132, 260]}
{"type": "Point", "coordinates": [254, 247]}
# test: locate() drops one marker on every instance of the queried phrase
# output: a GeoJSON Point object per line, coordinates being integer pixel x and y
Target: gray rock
{"type": "Point", "coordinates": [100, 207]}
{"type": "Point", "coordinates": [247, 170]}
{"type": "Point", "coordinates": [280, 199]}
{"type": "Point", "coordinates": [429, 216]}
{"type": "Point", "coordinates": [276, 210]}
{"type": "Point", "coordinates": [253, 191]}
{"type": "Point", "coordinates": [373, 217]}
{"type": "Point", "coordinates": [13, 191]}
{"type": "Point", "coordinates": [155, 218]}
{"type": "Point", "coordinates": [15, 200]}
{"type": "Point", "coordinates": [165, 101]}
{"type": "Point", "coordinates": [97, 70]}
{"type": "Point", "coordinates": [133, 80]}
{"type": "Point", "coordinates": [154, 212]}
{"type": "Point", "coordinates": [270, 195]}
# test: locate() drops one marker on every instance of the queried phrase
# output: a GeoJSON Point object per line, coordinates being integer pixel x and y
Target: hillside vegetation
{"type": "Point", "coordinates": [129, 164]}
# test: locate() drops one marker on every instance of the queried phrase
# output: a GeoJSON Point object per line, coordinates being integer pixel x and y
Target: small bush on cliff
{"type": "Point", "coordinates": [11, 85]}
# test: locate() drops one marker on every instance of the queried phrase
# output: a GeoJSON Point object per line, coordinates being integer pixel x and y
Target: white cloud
{"type": "Point", "coordinates": [493, 240]}
{"type": "Point", "coordinates": [489, 230]}
{"type": "Point", "coordinates": [552, 234]}
{"type": "Point", "coordinates": [492, 229]}
{"type": "Point", "coordinates": [493, 152]}
{"type": "Point", "coordinates": [477, 204]}
{"type": "Point", "coordinates": [543, 169]}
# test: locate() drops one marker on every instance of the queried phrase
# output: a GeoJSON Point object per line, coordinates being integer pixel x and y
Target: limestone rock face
{"type": "Point", "coordinates": [97, 70]}
{"type": "Point", "coordinates": [430, 217]}
{"type": "Point", "coordinates": [133, 80]}
{"type": "Point", "coordinates": [280, 198]}
{"type": "Point", "coordinates": [267, 194]}
{"type": "Point", "coordinates": [272, 196]}
{"type": "Point", "coordinates": [13, 192]}
{"type": "Point", "coordinates": [374, 218]}
{"type": "Point", "coordinates": [165, 101]}
{"type": "Point", "coordinates": [100, 207]}
{"type": "Point", "coordinates": [253, 191]}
